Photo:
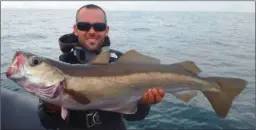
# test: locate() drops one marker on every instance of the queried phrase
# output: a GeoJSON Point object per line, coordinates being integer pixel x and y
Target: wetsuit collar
{"type": "Point", "coordinates": [68, 42]}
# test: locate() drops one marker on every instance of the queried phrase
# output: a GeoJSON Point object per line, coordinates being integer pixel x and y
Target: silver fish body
{"type": "Point", "coordinates": [119, 86]}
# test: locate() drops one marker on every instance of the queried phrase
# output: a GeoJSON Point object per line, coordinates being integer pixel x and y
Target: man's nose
{"type": "Point", "coordinates": [91, 30]}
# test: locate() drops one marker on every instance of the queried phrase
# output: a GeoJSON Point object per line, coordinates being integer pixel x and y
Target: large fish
{"type": "Point", "coordinates": [118, 86]}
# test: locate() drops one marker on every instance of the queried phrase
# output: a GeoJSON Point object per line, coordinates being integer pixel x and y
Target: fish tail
{"type": "Point", "coordinates": [221, 101]}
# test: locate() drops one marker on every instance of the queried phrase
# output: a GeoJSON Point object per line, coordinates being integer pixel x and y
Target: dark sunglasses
{"type": "Point", "coordinates": [85, 26]}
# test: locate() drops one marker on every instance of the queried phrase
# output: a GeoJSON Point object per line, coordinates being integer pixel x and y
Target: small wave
{"type": "Point", "coordinates": [169, 25]}
{"type": "Point", "coordinates": [4, 37]}
{"type": "Point", "coordinates": [23, 23]}
{"type": "Point", "coordinates": [226, 64]}
{"type": "Point", "coordinates": [4, 63]}
{"type": "Point", "coordinates": [9, 88]}
{"type": "Point", "coordinates": [141, 29]}
{"type": "Point", "coordinates": [241, 56]}
{"type": "Point", "coordinates": [30, 36]}
{"type": "Point", "coordinates": [223, 44]}
{"type": "Point", "coordinates": [34, 36]}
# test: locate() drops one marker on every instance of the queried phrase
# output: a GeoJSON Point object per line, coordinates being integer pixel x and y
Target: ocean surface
{"type": "Point", "coordinates": [221, 44]}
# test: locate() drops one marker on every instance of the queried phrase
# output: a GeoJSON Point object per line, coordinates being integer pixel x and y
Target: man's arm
{"type": "Point", "coordinates": [50, 115]}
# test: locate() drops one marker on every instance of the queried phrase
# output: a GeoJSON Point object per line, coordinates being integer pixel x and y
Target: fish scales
{"type": "Point", "coordinates": [116, 86]}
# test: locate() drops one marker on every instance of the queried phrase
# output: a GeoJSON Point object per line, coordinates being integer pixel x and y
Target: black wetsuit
{"type": "Point", "coordinates": [88, 120]}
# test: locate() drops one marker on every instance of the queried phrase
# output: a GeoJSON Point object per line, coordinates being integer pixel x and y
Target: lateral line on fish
{"type": "Point", "coordinates": [137, 77]}
{"type": "Point", "coordinates": [153, 75]}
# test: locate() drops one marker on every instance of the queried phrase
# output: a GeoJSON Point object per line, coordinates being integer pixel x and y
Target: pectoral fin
{"type": "Point", "coordinates": [79, 97]}
{"type": "Point", "coordinates": [132, 56]}
{"type": "Point", "coordinates": [64, 113]}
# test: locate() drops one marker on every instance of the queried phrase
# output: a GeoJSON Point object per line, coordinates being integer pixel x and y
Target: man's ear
{"type": "Point", "coordinates": [75, 30]}
{"type": "Point", "coordinates": [107, 30]}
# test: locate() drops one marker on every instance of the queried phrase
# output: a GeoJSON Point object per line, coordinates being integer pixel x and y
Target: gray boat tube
{"type": "Point", "coordinates": [19, 111]}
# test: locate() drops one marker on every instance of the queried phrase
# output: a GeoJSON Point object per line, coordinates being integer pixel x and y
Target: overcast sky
{"type": "Point", "coordinates": [226, 6]}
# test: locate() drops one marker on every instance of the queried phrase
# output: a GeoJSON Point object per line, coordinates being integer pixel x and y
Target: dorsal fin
{"type": "Point", "coordinates": [102, 58]}
{"type": "Point", "coordinates": [190, 66]}
{"type": "Point", "coordinates": [132, 56]}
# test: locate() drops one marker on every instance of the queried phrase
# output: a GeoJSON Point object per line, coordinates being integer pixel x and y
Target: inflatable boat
{"type": "Point", "coordinates": [18, 111]}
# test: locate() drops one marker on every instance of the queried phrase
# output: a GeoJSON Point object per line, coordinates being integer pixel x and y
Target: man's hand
{"type": "Point", "coordinates": [152, 96]}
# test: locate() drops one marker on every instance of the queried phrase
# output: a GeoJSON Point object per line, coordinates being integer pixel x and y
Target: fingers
{"type": "Point", "coordinates": [158, 95]}
{"type": "Point", "coordinates": [151, 97]}
{"type": "Point", "coordinates": [145, 98]}
{"type": "Point", "coordinates": [161, 92]}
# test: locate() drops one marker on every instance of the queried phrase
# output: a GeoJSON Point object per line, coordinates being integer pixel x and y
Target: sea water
{"type": "Point", "coordinates": [221, 44]}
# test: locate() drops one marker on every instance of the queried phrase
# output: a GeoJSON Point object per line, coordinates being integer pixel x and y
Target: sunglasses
{"type": "Point", "coordinates": [85, 26]}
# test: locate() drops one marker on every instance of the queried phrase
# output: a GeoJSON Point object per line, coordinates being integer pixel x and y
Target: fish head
{"type": "Point", "coordinates": [36, 75]}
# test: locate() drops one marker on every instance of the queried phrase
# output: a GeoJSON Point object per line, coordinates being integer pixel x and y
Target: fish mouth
{"type": "Point", "coordinates": [17, 73]}
{"type": "Point", "coordinates": [13, 71]}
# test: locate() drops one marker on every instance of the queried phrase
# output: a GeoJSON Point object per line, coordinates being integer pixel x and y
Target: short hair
{"type": "Point", "coordinates": [91, 6]}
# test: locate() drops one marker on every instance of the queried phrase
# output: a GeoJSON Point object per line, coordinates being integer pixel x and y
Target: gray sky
{"type": "Point", "coordinates": [226, 6]}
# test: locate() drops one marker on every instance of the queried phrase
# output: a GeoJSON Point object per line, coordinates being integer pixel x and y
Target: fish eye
{"type": "Point", "coordinates": [34, 61]}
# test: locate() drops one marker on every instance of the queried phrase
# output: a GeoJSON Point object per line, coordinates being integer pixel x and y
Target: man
{"type": "Point", "coordinates": [89, 38]}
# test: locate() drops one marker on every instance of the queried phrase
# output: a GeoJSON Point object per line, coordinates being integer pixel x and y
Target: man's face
{"type": "Point", "coordinates": [91, 39]}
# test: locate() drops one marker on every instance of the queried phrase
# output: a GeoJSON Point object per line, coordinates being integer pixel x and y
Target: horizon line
{"type": "Point", "coordinates": [111, 10]}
